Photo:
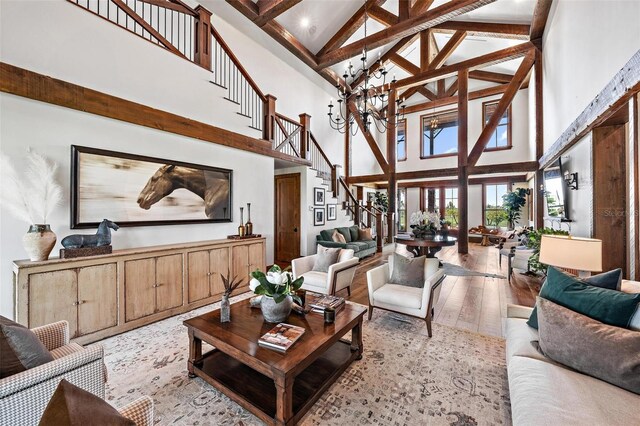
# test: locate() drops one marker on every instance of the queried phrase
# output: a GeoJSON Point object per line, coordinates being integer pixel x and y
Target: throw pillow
{"type": "Point", "coordinates": [611, 280]}
{"type": "Point", "coordinates": [353, 231]}
{"type": "Point", "coordinates": [408, 272]}
{"type": "Point", "coordinates": [73, 406]}
{"type": "Point", "coordinates": [325, 259]}
{"type": "Point", "coordinates": [345, 254]}
{"type": "Point", "coordinates": [20, 349]}
{"type": "Point", "coordinates": [608, 306]}
{"type": "Point", "coordinates": [338, 237]}
{"type": "Point", "coordinates": [606, 352]}
{"type": "Point", "coordinates": [365, 234]}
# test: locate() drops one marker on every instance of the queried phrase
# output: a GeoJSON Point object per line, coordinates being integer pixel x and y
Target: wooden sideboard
{"type": "Point", "coordinates": [104, 295]}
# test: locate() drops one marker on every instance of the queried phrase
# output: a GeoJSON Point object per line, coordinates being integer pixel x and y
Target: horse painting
{"type": "Point", "coordinates": [212, 186]}
{"type": "Point", "coordinates": [101, 238]}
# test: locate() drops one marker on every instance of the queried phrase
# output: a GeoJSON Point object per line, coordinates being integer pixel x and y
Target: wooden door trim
{"type": "Point", "coordinates": [298, 177]}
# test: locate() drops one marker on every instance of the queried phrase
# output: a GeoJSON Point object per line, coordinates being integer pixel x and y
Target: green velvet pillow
{"type": "Point", "coordinates": [346, 233]}
{"type": "Point", "coordinates": [325, 234]}
{"type": "Point", "coordinates": [607, 306]}
{"type": "Point", "coordinates": [353, 230]}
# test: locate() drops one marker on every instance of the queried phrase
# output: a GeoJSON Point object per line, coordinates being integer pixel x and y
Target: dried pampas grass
{"type": "Point", "coordinates": [32, 196]}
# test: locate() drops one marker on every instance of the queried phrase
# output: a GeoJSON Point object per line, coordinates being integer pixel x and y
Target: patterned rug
{"type": "Point", "coordinates": [405, 378]}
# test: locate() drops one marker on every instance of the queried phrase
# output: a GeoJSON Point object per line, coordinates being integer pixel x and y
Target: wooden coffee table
{"type": "Point", "coordinates": [279, 388]}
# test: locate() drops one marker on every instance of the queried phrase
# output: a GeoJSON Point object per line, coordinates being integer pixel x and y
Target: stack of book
{"type": "Point", "coordinates": [320, 303]}
{"type": "Point", "coordinates": [281, 337]}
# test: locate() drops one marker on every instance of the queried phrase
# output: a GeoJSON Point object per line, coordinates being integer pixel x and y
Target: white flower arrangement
{"type": "Point", "coordinates": [430, 219]}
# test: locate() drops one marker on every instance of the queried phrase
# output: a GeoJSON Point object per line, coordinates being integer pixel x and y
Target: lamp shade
{"type": "Point", "coordinates": [582, 254]}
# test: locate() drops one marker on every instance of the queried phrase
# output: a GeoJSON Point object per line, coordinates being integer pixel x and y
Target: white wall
{"type": "Point", "coordinates": [586, 43]}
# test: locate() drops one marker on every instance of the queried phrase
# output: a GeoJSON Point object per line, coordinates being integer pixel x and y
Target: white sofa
{"type": "Point", "coordinates": [546, 393]}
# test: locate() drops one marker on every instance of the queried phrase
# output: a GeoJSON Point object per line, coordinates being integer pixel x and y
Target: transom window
{"type": "Point", "coordinates": [401, 139]}
{"type": "Point", "coordinates": [493, 213]}
{"type": "Point", "coordinates": [501, 138]}
{"type": "Point", "coordinates": [439, 134]}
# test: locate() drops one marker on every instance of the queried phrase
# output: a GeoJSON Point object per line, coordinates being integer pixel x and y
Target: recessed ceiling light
{"type": "Point", "coordinates": [304, 22]}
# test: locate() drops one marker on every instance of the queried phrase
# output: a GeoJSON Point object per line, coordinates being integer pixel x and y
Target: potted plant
{"type": "Point", "coordinates": [513, 203]}
{"type": "Point", "coordinates": [424, 224]}
{"type": "Point", "coordinates": [532, 241]}
{"type": "Point", "coordinates": [381, 201]}
{"type": "Point", "coordinates": [32, 197]}
{"type": "Point", "coordinates": [278, 290]}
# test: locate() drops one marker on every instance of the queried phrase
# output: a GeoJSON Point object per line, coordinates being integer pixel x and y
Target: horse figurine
{"type": "Point", "coordinates": [101, 238]}
{"type": "Point", "coordinates": [213, 187]}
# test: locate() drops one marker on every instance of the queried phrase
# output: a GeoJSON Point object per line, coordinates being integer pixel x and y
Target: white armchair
{"type": "Point", "coordinates": [338, 277]}
{"type": "Point", "coordinates": [413, 301]}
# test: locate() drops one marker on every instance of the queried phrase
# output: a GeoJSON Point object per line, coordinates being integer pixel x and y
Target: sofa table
{"type": "Point", "coordinates": [426, 246]}
{"type": "Point", "coordinates": [279, 388]}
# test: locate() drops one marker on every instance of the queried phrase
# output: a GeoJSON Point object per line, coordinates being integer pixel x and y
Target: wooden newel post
{"type": "Point", "coordinates": [202, 36]}
{"type": "Point", "coordinates": [358, 213]}
{"type": "Point", "coordinates": [305, 123]}
{"type": "Point", "coordinates": [379, 231]}
{"type": "Point", "coordinates": [334, 180]}
{"type": "Point", "coordinates": [369, 205]}
{"type": "Point", "coordinates": [269, 130]}
{"type": "Point", "coordinates": [391, 221]}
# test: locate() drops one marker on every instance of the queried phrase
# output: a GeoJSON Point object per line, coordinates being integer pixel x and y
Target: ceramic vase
{"type": "Point", "coordinates": [225, 309]}
{"type": "Point", "coordinates": [248, 227]}
{"type": "Point", "coordinates": [241, 229]}
{"type": "Point", "coordinates": [275, 312]}
{"type": "Point", "coordinates": [38, 242]}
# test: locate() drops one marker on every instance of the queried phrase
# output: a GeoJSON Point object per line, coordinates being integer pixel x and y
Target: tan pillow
{"type": "Point", "coordinates": [603, 351]}
{"type": "Point", "coordinates": [365, 234]}
{"type": "Point", "coordinates": [338, 237]}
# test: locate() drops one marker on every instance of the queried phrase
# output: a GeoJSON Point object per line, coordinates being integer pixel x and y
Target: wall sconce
{"type": "Point", "coordinates": [571, 179]}
{"type": "Point", "coordinates": [541, 189]}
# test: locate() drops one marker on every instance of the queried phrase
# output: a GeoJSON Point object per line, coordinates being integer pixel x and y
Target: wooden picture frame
{"type": "Point", "coordinates": [135, 190]}
{"type": "Point", "coordinates": [332, 211]}
{"type": "Point", "coordinates": [318, 216]}
{"type": "Point", "coordinates": [318, 196]}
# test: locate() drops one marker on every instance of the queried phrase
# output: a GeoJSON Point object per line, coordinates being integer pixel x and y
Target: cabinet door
{"type": "Point", "coordinates": [198, 275]}
{"type": "Point", "coordinates": [256, 257]}
{"type": "Point", "coordinates": [168, 282]}
{"type": "Point", "coordinates": [139, 290]}
{"type": "Point", "coordinates": [240, 262]}
{"type": "Point", "coordinates": [97, 297]}
{"type": "Point", "coordinates": [53, 297]}
{"type": "Point", "coordinates": [218, 264]}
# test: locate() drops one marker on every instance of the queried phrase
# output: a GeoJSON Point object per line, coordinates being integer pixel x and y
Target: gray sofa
{"type": "Point", "coordinates": [545, 393]}
{"type": "Point", "coordinates": [360, 248]}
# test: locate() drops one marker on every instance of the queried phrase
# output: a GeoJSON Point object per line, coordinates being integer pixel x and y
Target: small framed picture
{"type": "Point", "coordinates": [318, 196]}
{"type": "Point", "coordinates": [318, 216]}
{"type": "Point", "coordinates": [331, 211]}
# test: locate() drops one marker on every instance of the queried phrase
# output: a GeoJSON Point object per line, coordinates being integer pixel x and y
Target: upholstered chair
{"type": "Point", "coordinates": [24, 396]}
{"type": "Point", "coordinates": [140, 411]}
{"type": "Point", "coordinates": [413, 301]}
{"type": "Point", "coordinates": [338, 277]}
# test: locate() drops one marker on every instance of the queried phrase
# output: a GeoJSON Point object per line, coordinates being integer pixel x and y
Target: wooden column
{"type": "Point", "coordinates": [538, 193]}
{"type": "Point", "coordinates": [634, 129]}
{"type": "Point", "coordinates": [463, 153]}
{"type": "Point", "coordinates": [269, 119]}
{"type": "Point", "coordinates": [202, 36]}
{"type": "Point", "coordinates": [347, 146]}
{"type": "Point", "coordinates": [305, 122]}
{"type": "Point", "coordinates": [392, 189]}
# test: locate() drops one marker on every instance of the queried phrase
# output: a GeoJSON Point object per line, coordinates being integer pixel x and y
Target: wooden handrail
{"type": "Point", "coordinates": [237, 63]}
{"type": "Point", "coordinates": [315, 142]}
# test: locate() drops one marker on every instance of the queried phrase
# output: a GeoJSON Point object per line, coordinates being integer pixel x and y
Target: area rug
{"type": "Point", "coordinates": [461, 271]}
{"type": "Point", "coordinates": [405, 378]}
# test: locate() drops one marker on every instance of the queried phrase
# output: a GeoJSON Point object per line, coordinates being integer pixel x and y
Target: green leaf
{"type": "Point", "coordinates": [296, 299]}
{"type": "Point", "coordinates": [279, 297]}
{"type": "Point", "coordinates": [261, 290]}
{"type": "Point", "coordinates": [297, 283]}
{"type": "Point", "coordinates": [257, 274]}
{"type": "Point", "coordinates": [275, 268]}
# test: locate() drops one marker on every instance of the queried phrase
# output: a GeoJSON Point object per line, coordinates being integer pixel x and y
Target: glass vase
{"type": "Point", "coordinates": [225, 309]}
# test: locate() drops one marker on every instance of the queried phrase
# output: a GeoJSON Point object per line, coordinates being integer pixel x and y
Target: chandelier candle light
{"type": "Point", "coordinates": [370, 101]}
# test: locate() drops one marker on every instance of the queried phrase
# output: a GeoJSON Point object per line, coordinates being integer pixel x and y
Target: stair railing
{"type": "Point", "coordinates": [369, 216]}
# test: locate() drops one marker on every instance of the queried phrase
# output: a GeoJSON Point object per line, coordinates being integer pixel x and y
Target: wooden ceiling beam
{"type": "Point", "coordinates": [505, 101]}
{"type": "Point", "coordinates": [369, 138]}
{"type": "Point", "coordinates": [420, 6]}
{"type": "Point", "coordinates": [386, 57]}
{"type": "Point", "coordinates": [404, 28]}
{"type": "Point", "coordinates": [448, 49]}
{"type": "Point", "coordinates": [494, 77]}
{"type": "Point", "coordinates": [381, 15]}
{"type": "Point", "coordinates": [471, 64]}
{"type": "Point", "coordinates": [405, 64]}
{"type": "Point", "coordinates": [452, 89]}
{"type": "Point", "coordinates": [349, 28]}
{"type": "Point", "coordinates": [404, 9]}
{"type": "Point", "coordinates": [270, 9]}
{"type": "Point", "coordinates": [487, 29]}
{"type": "Point", "coordinates": [539, 21]}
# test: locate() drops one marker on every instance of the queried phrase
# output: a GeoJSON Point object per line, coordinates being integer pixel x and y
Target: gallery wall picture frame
{"type": "Point", "coordinates": [318, 216]}
{"type": "Point", "coordinates": [318, 196]}
{"type": "Point", "coordinates": [136, 190]}
{"type": "Point", "coordinates": [332, 210]}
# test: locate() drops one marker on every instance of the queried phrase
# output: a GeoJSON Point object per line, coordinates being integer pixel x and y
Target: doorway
{"type": "Point", "coordinates": [287, 218]}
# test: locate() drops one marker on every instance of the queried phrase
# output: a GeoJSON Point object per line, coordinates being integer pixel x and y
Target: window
{"type": "Point", "coordinates": [451, 206]}
{"type": "Point", "coordinates": [401, 138]}
{"type": "Point", "coordinates": [501, 138]}
{"type": "Point", "coordinates": [431, 200]}
{"type": "Point", "coordinates": [439, 134]}
{"type": "Point", "coordinates": [493, 213]}
{"type": "Point", "coordinates": [402, 209]}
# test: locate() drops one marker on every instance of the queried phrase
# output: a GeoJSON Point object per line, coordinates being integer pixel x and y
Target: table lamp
{"type": "Point", "coordinates": [581, 254]}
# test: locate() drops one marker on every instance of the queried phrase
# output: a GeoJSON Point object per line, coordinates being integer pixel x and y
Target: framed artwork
{"type": "Point", "coordinates": [318, 216]}
{"type": "Point", "coordinates": [318, 196]}
{"type": "Point", "coordinates": [134, 190]}
{"type": "Point", "coordinates": [331, 211]}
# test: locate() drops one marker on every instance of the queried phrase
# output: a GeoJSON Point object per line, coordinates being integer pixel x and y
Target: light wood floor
{"type": "Point", "coordinates": [473, 303]}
